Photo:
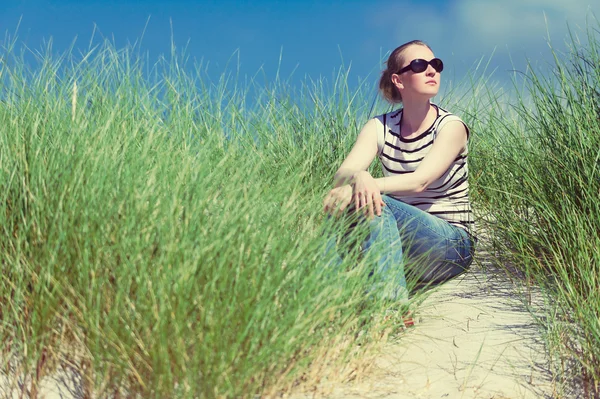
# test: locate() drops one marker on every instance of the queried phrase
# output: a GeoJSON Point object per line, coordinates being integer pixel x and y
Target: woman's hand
{"type": "Point", "coordinates": [338, 199]}
{"type": "Point", "coordinates": [366, 194]}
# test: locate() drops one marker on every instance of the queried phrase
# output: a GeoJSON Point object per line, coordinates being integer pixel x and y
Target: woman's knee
{"type": "Point", "coordinates": [440, 270]}
{"type": "Point", "coordinates": [444, 272]}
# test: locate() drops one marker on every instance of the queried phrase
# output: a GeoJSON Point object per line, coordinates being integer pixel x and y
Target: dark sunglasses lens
{"type": "Point", "coordinates": [437, 64]}
{"type": "Point", "coordinates": [418, 66]}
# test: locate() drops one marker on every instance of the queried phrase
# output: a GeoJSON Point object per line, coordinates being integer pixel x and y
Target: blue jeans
{"type": "Point", "coordinates": [406, 241]}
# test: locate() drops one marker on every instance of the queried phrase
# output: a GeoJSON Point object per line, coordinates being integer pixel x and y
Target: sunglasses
{"type": "Point", "coordinates": [420, 65]}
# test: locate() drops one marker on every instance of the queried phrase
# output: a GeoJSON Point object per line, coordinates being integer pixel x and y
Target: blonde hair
{"type": "Point", "coordinates": [393, 64]}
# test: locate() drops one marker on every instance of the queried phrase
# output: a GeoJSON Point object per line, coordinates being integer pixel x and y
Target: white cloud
{"type": "Point", "coordinates": [490, 38]}
{"type": "Point", "coordinates": [518, 24]}
{"type": "Point", "coordinates": [474, 28]}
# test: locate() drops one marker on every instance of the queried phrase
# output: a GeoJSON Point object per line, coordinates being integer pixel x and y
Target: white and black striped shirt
{"type": "Point", "coordinates": [448, 196]}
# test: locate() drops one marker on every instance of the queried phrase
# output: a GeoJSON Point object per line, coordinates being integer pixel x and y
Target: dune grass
{"type": "Point", "coordinates": [163, 235]}
{"type": "Point", "coordinates": [537, 181]}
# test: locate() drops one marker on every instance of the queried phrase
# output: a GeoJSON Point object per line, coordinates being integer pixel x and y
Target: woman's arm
{"type": "Point", "coordinates": [347, 188]}
{"type": "Point", "coordinates": [449, 143]}
{"type": "Point", "coordinates": [360, 157]}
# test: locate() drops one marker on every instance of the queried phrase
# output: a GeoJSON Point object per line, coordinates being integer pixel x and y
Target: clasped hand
{"type": "Point", "coordinates": [362, 191]}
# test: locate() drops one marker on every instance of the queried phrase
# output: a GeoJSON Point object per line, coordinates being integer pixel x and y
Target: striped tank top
{"type": "Point", "coordinates": [448, 196]}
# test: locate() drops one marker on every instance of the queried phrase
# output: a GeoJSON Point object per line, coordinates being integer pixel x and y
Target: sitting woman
{"type": "Point", "coordinates": [419, 214]}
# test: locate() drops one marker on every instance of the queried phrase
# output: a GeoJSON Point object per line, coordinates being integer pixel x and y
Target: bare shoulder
{"type": "Point", "coordinates": [371, 127]}
{"type": "Point", "coordinates": [452, 125]}
{"type": "Point", "coordinates": [453, 132]}
{"type": "Point", "coordinates": [373, 123]}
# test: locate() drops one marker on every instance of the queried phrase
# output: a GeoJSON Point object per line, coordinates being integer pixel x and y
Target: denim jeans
{"type": "Point", "coordinates": [408, 242]}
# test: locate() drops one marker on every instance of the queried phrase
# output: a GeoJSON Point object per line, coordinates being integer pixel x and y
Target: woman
{"type": "Point", "coordinates": [419, 214]}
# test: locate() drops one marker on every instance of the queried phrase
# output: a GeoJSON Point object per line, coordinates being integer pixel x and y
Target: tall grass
{"type": "Point", "coordinates": [537, 176]}
{"type": "Point", "coordinates": [162, 234]}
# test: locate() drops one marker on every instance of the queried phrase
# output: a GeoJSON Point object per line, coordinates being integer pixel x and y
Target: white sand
{"type": "Point", "coordinates": [473, 338]}
{"type": "Point", "coordinates": [60, 385]}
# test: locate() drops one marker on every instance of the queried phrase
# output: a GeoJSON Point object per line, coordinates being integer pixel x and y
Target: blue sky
{"type": "Point", "coordinates": [314, 37]}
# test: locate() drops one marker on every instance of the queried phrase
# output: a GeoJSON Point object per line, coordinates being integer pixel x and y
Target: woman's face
{"type": "Point", "coordinates": [411, 84]}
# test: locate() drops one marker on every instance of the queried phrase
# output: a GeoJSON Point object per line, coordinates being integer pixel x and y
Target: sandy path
{"type": "Point", "coordinates": [473, 338]}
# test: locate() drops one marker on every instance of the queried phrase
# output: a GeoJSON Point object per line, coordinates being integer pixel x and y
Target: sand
{"type": "Point", "coordinates": [474, 337]}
